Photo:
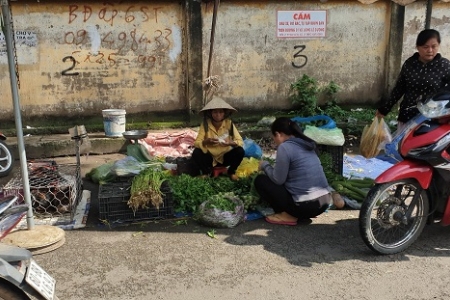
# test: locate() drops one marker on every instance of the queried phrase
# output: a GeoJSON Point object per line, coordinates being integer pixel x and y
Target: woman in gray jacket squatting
{"type": "Point", "coordinates": [296, 186]}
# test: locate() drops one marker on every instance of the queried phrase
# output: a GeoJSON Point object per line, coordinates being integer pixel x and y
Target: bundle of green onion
{"type": "Point", "coordinates": [146, 189]}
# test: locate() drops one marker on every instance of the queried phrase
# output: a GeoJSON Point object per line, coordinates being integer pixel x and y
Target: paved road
{"type": "Point", "coordinates": [324, 259]}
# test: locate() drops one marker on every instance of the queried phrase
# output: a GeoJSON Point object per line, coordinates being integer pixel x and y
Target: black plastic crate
{"type": "Point", "coordinates": [113, 207]}
{"type": "Point", "coordinates": [186, 165]}
{"type": "Point", "coordinates": [337, 156]}
{"type": "Point", "coordinates": [125, 179]}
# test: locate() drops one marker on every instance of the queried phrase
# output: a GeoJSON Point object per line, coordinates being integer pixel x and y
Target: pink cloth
{"type": "Point", "coordinates": [173, 144]}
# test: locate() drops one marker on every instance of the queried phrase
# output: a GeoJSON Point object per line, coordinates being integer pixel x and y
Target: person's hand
{"type": "Point", "coordinates": [210, 142]}
{"type": "Point", "coordinates": [228, 142]}
{"type": "Point", "coordinates": [260, 164]}
{"type": "Point", "coordinates": [378, 114]}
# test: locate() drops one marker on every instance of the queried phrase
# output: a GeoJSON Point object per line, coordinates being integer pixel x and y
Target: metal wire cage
{"type": "Point", "coordinates": [55, 189]}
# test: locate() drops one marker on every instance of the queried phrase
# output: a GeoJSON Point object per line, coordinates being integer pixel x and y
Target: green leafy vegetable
{"type": "Point", "coordinates": [211, 233]}
{"type": "Point", "coordinates": [222, 202]}
{"type": "Point", "coordinates": [189, 192]}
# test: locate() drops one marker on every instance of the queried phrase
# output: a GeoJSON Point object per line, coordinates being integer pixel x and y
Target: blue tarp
{"type": "Point", "coordinates": [357, 166]}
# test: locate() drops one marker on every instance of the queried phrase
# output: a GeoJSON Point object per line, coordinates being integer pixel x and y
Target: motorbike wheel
{"type": "Point", "coordinates": [11, 292]}
{"type": "Point", "coordinates": [383, 223]}
{"type": "Point", "coordinates": [6, 159]}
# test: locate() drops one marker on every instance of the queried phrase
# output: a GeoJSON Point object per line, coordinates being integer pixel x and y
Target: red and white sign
{"type": "Point", "coordinates": [301, 24]}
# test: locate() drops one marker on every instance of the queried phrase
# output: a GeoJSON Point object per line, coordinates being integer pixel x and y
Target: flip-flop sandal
{"type": "Point", "coordinates": [281, 222]}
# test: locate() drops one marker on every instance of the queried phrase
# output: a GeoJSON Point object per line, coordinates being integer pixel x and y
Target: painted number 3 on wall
{"type": "Point", "coordinates": [299, 60]}
{"type": "Point", "coordinates": [67, 72]}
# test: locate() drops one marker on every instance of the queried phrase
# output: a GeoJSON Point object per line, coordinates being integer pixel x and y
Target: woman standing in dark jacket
{"type": "Point", "coordinates": [421, 75]}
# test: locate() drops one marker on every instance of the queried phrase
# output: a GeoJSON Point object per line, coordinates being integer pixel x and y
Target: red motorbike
{"type": "Point", "coordinates": [416, 190]}
{"type": "Point", "coordinates": [6, 157]}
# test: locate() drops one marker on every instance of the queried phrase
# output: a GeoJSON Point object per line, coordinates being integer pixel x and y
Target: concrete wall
{"type": "Point", "coordinates": [256, 68]}
{"type": "Point", "coordinates": [415, 22]}
{"type": "Point", "coordinates": [77, 58]}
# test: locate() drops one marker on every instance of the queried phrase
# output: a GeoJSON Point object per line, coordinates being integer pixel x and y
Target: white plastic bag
{"type": "Point", "coordinates": [323, 136]}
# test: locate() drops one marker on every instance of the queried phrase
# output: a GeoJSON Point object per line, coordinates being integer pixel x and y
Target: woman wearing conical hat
{"type": "Point", "coordinates": [218, 141]}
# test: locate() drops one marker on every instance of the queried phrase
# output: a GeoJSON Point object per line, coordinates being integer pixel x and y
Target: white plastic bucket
{"type": "Point", "coordinates": [114, 122]}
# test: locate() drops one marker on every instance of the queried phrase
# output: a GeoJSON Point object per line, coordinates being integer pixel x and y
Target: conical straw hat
{"type": "Point", "coordinates": [217, 103]}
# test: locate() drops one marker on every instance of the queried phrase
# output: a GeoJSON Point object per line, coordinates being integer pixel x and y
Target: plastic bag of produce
{"type": "Point", "coordinates": [266, 121]}
{"type": "Point", "coordinates": [128, 166]}
{"type": "Point", "coordinates": [247, 167]}
{"type": "Point", "coordinates": [252, 149]}
{"type": "Point", "coordinates": [102, 174]}
{"type": "Point", "coordinates": [221, 210]}
{"type": "Point", "coordinates": [323, 136]}
{"type": "Point", "coordinates": [374, 137]}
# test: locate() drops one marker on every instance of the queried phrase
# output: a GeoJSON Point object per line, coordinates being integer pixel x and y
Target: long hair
{"type": "Point", "coordinates": [289, 127]}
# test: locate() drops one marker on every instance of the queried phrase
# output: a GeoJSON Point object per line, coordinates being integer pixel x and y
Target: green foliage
{"type": "Point", "coordinates": [221, 184]}
{"type": "Point", "coordinates": [304, 94]}
{"type": "Point", "coordinates": [327, 165]}
{"type": "Point", "coordinates": [363, 115]}
{"type": "Point", "coordinates": [189, 192]}
{"type": "Point", "coordinates": [211, 233]}
{"type": "Point", "coordinates": [306, 91]}
{"type": "Point", "coordinates": [334, 111]}
{"type": "Point", "coordinates": [221, 201]}
{"type": "Point", "coordinates": [242, 187]}
{"type": "Point", "coordinates": [331, 90]}
{"type": "Point", "coordinates": [269, 159]}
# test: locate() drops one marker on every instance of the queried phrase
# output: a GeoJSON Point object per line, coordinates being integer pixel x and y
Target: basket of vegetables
{"type": "Point", "coordinates": [223, 210]}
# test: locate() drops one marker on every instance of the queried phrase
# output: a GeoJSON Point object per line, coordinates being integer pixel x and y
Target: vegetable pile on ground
{"type": "Point", "coordinates": [355, 189]}
{"type": "Point", "coordinates": [221, 201]}
{"type": "Point", "coordinates": [126, 167]}
{"type": "Point", "coordinates": [189, 192]}
{"type": "Point", "coordinates": [146, 189]}
{"type": "Point", "coordinates": [221, 210]}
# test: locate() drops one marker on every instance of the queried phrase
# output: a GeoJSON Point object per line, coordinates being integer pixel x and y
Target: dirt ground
{"type": "Point", "coordinates": [321, 259]}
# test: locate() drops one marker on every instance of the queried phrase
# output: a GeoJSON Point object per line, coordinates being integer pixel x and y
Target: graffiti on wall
{"type": "Point", "coordinates": [123, 41]}
{"type": "Point", "coordinates": [67, 72]}
{"type": "Point", "coordinates": [299, 60]}
{"type": "Point", "coordinates": [113, 45]}
{"type": "Point", "coordinates": [108, 13]}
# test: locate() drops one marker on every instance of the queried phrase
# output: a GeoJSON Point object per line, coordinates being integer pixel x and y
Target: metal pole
{"type": "Point", "coordinates": [428, 15]}
{"type": "Point", "coordinates": [7, 31]}
{"type": "Point", "coordinates": [213, 30]}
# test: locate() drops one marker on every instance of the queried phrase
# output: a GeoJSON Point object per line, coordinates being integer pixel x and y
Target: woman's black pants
{"type": "Point", "coordinates": [232, 159]}
{"type": "Point", "coordinates": [281, 200]}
